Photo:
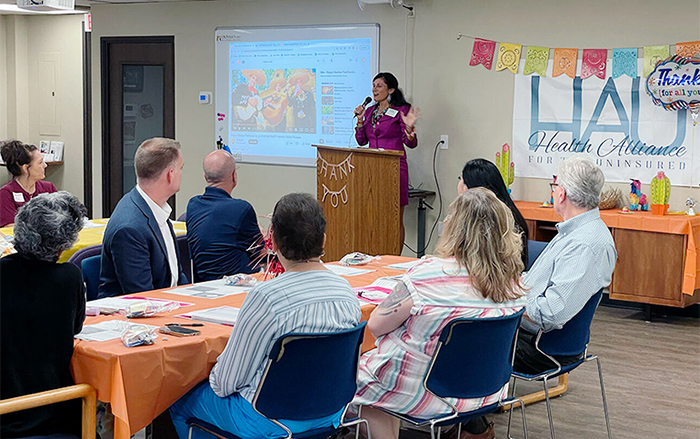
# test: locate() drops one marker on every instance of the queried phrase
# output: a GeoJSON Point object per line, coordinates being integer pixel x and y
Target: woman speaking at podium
{"type": "Point", "coordinates": [389, 124]}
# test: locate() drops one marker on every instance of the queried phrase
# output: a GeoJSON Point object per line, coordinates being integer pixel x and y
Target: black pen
{"type": "Point", "coordinates": [184, 324]}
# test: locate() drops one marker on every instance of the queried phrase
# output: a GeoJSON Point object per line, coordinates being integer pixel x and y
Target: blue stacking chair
{"type": "Point", "coordinates": [473, 359]}
{"type": "Point", "coordinates": [85, 252]}
{"type": "Point", "coordinates": [570, 340]}
{"type": "Point", "coordinates": [307, 376]}
{"type": "Point", "coordinates": [91, 275]}
{"type": "Point", "coordinates": [534, 248]}
{"type": "Point", "coordinates": [183, 252]}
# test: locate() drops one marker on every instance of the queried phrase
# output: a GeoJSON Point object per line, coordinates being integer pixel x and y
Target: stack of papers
{"type": "Point", "coordinates": [110, 305]}
{"type": "Point", "coordinates": [212, 289]}
{"type": "Point", "coordinates": [224, 315]}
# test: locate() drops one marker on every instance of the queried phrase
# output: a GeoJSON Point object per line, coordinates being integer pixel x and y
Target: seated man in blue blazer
{"type": "Point", "coordinates": [138, 250]}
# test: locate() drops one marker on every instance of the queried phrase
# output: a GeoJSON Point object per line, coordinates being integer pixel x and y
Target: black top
{"type": "Point", "coordinates": [42, 305]}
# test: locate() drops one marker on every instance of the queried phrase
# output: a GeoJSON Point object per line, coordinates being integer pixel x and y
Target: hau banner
{"type": "Point", "coordinates": [612, 122]}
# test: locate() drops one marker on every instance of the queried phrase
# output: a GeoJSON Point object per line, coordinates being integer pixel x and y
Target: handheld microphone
{"type": "Point", "coordinates": [364, 104]}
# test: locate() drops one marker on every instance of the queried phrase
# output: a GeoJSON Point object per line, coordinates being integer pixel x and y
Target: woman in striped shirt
{"type": "Point", "coordinates": [476, 274]}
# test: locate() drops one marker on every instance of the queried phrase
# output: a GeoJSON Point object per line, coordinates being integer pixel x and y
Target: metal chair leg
{"type": "Point", "coordinates": [522, 412]}
{"type": "Point", "coordinates": [549, 408]}
{"type": "Point", "coordinates": [605, 402]}
{"type": "Point", "coordinates": [510, 412]}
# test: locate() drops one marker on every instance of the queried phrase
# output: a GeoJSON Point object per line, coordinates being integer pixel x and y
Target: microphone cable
{"type": "Point", "coordinates": [439, 194]}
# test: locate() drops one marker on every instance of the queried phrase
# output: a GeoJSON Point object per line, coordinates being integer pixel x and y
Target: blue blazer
{"type": "Point", "coordinates": [134, 256]}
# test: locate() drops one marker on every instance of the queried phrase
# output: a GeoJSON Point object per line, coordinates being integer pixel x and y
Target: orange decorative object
{"type": "Point", "coordinates": [659, 209]}
{"type": "Point", "coordinates": [565, 62]}
{"type": "Point", "coordinates": [689, 49]}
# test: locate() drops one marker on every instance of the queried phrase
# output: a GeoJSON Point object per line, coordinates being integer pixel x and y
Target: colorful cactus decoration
{"type": "Point", "coordinates": [660, 189]}
{"type": "Point", "coordinates": [505, 166]}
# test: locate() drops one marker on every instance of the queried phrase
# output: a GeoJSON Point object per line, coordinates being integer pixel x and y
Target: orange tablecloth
{"type": "Point", "coordinates": [142, 382]}
{"type": "Point", "coordinates": [93, 236]}
{"type": "Point", "coordinates": [643, 221]}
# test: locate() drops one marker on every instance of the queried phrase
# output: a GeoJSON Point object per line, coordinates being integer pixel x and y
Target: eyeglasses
{"type": "Point", "coordinates": [552, 186]}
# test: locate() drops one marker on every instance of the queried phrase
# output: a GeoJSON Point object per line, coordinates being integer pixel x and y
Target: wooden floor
{"type": "Point", "coordinates": [652, 380]}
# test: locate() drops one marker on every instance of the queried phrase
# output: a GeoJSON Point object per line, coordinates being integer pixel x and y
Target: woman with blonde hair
{"type": "Point", "coordinates": [476, 274]}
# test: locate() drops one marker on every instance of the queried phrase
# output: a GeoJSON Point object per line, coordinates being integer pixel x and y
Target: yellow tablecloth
{"type": "Point", "coordinates": [93, 235]}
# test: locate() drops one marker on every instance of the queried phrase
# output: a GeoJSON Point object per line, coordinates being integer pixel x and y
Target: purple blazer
{"type": "Point", "coordinates": [389, 133]}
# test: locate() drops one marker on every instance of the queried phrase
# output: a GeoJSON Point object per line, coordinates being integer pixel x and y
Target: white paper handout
{"type": "Point", "coordinates": [405, 265]}
{"type": "Point", "coordinates": [104, 331]}
{"type": "Point", "coordinates": [346, 271]}
{"type": "Point", "coordinates": [224, 315]}
{"type": "Point", "coordinates": [377, 291]}
{"type": "Point", "coordinates": [212, 289]}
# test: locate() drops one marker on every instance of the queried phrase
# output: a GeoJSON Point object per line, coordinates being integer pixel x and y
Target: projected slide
{"type": "Point", "coordinates": [277, 98]}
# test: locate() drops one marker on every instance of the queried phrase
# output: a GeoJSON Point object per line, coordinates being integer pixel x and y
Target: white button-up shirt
{"type": "Point", "coordinates": [162, 213]}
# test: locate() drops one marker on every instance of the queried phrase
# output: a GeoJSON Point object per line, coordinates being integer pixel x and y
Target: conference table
{"type": "Point", "coordinates": [92, 234]}
{"type": "Point", "coordinates": [142, 382]}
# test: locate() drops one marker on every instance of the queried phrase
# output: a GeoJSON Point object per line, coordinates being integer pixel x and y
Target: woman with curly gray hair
{"type": "Point", "coordinates": [42, 306]}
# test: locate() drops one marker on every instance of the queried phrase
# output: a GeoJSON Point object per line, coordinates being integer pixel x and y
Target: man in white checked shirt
{"type": "Point", "coordinates": [576, 264]}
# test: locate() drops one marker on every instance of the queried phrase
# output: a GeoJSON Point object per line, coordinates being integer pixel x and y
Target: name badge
{"type": "Point", "coordinates": [18, 196]}
{"type": "Point", "coordinates": [392, 112]}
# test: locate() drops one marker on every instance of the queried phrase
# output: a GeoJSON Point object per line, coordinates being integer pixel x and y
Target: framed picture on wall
{"type": "Point", "coordinates": [132, 78]}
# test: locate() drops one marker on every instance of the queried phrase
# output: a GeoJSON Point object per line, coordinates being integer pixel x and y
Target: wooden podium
{"type": "Point", "coordinates": [359, 191]}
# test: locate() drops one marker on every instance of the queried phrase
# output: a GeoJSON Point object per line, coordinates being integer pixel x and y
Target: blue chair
{"type": "Point", "coordinates": [570, 340]}
{"type": "Point", "coordinates": [183, 252]}
{"type": "Point", "coordinates": [91, 275]}
{"type": "Point", "coordinates": [85, 252]}
{"type": "Point", "coordinates": [307, 376]}
{"type": "Point", "coordinates": [534, 248]}
{"type": "Point", "coordinates": [473, 359]}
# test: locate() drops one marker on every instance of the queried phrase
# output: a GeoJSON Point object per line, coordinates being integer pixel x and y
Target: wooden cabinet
{"type": "Point", "coordinates": [657, 257]}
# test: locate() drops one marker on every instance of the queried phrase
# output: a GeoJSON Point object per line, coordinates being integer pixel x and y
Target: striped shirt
{"type": "Point", "coordinates": [575, 265]}
{"type": "Point", "coordinates": [311, 301]}
{"type": "Point", "coordinates": [391, 376]}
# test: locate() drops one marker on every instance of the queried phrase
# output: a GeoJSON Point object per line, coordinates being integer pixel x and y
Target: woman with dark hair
{"type": "Point", "coordinates": [483, 173]}
{"type": "Point", "coordinates": [389, 124]}
{"type": "Point", "coordinates": [26, 164]}
{"type": "Point", "coordinates": [307, 298]}
{"type": "Point", "coordinates": [42, 306]}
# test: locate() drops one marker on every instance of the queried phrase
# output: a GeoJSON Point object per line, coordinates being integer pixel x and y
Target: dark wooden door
{"type": "Point", "coordinates": [138, 102]}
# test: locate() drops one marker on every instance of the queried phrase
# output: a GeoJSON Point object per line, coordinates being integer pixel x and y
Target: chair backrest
{"type": "Point", "coordinates": [310, 376]}
{"type": "Point", "coordinates": [84, 391]}
{"type": "Point", "coordinates": [182, 217]}
{"type": "Point", "coordinates": [573, 338]}
{"type": "Point", "coordinates": [184, 255]}
{"type": "Point", "coordinates": [474, 357]}
{"type": "Point", "coordinates": [85, 252]}
{"type": "Point", "coordinates": [534, 248]}
{"type": "Point", "coordinates": [91, 275]}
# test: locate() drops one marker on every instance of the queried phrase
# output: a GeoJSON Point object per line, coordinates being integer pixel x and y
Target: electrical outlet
{"type": "Point", "coordinates": [444, 139]}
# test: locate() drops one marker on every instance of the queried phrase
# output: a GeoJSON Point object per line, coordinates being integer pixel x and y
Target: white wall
{"type": "Point", "coordinates": [3, 78]}
{"type": "Point", "coordinates": [470, 104]}
{"type": "Point", "coordinates": [27, 38]}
